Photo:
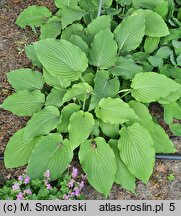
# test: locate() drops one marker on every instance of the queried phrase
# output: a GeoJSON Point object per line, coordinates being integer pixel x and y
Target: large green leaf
{"type": "Point", "coordinates": [175, 129]}
{"type": "Point", "coordinates": [98, 24]}
{"type": "Point", "coordinates": [51, 153]}
{"type": "Point", "coordinates": [171, 111]}
{"type": "Point", "coordinates": [66, 3]}
{"type": "Point", "coordinates": [162, 9]}
{"type": "Point", "coordinates": [161, 140]}
{"type": "Point", "coordinates": [130, 31]}
{"type": "Point", "coordinates": [172, 97]}
{"type": "Point", "coordinates": [126, 68]}
{"type": "Point", "coordinates": [56, 82]}
{"type": "Point", "coordinates": [103, 88]}
{"type": "Point", "coordinates": [31, 54]}
{"type": "Point", "coordinates": [150, 4]}
{"type": "Point", "coordinates": [151, 43]}
{"type": "Point", "coordinates": [80, 127]}
{"type": "Point", "coordinates": [179, 60]}
{"type": "Point", "coordinates": [114, 111]}
{"type": "Point", "coordinates": [155, 25]}
{"type": "Point", "coordinates": [98, 162]}
{"type": "Point", "coordinates": [61, 58]}
{"type": "Point", "coordinates": [69, 15]}
{"type": "Point", "coordinates": [80, 91]}
{"type": "Point", "coordinates": [110, 130]}
{"type": "Point", "coordinates": [156, 61]}
{"type": "Point", "coordinates": [96, 131]}
{"type": "Point", "coordinates": [89, 76]}
{"type": "Point", "coordinates": [175, 33]}
{"type": "Point", "coordinates": [79, 42]}
{"type": "Point", "coordinates": [88, 5]}
{"type": "Point", "coordinates": [164, 52]}
{"type": "Point", "coordinates": [55, 98]}
{"type": "Point", "coordinates": [124, 2]}
{"type": "Point", "coordinates": [145, 118]}
{"type": "Point", "coordinates": [24, 103]}
{"type": "Point", "coordinates": [50, 30]}
{"type": "Point", "coordinates": [42, 122]}
{"type": "Point", "coordinates": [149, 87]}
{"type": "Point", "coordinates": [33, 16]}
{"type": "Point", "coordinates": [76, 28]}
{"type": "Point", "coordinates": [103, 51]}
{"type": "Point", "coordinates": [25, 79]}
{"type": "Point", "coordinates": [18, 150]}
{"type": "Point", "coordinates": [137, 151]}
{"type": "Point", "coordinates": [66, 113]}
{"type": "Point", "coordinates": [123, 175]}
{"type": "Point", "coordinates": [105, 3]}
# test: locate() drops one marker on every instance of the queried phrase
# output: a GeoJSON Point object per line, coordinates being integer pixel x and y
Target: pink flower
{"type": "Point", "coordinates": [47, 174]}
{"type": "Point", "coordinates": [66, 197]}
{"type": "Point", "coordinates": [20, 196]}
{"type": "Point", "coordinates": [49, 187]}
{"type": "Point", "coordinates": [27, 180]}
{"type": "Point", "coordinates": [16, 187]}
{"type": "Point", "coordinates": [20, 178]}
{"type": "Point", "coordinates": [77, 192]}
{"type": "Point", "coordinates": [72, 194]}
{"type": "Point", "coordinates": [81, 185]}
{"type": "Point", "coordinates": [28, 191]}
{"type": "Point", "coordinates": [71, 183]}
{"type": "Point", "coordinates": [74, 172]}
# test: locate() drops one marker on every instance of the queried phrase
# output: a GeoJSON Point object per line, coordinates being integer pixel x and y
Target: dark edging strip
{"type": "Point", "coordinates": [158, 156]}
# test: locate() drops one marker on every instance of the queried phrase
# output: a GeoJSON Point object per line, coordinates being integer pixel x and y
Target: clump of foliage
{"type": "Point", "coordinates": [99, 75]}
{"type": "Point", "coordinates": [66, 187]}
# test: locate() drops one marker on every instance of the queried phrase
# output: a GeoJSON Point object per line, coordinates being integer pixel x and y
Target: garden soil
{"type": "Point", "coordinates": [12, 56]}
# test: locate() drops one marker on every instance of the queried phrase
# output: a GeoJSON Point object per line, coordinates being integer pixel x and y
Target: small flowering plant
{"type": "Point", "coordinates": [68, 187]}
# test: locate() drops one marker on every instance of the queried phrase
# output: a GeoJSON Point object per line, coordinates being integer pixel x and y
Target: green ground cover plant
{"type": "Point", "coordinates": [95, 72]}
{"type": "Point", "coordinates": [67, 187]}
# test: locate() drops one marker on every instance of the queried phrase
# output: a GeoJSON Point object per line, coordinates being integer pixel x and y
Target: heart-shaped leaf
{"type": "Point", "coordinates": [25, 79]}
{"type": "Point", "coordinates": [103, 88]}
{"type": "Point", "coordinates": [123, 176]}
{"type": "Point", "coordinates": [126, 68]}
{"type": "Point", "coordinates": [149, 87]}
{"type": "Point", "coordinates": [42, 122]}
{"type": "Point", "coordinates": [129, 33]}
{"type": "Point", "coordinates": [155, 25]}
{"type": "Point", "coordinates": [61, 58]}
{"type": "Point", "coordinates": [51, 153]}
{"type": "Point", "coordinates": [137, 151]}
{"type": "Point", "coordinates": [18, 150]}
{"type": "Point", "coordinates": [55, 98]}
{"type": "Point", "coordinates": [24, 103]}
{"type": "Point", "coordinates": [98, 24]}
{"type": "Point", "coordinates": [161, 140]}
{"type": "Point", "coordinates": [33, 16]}
{"type": "Point", "coordinates": [80, 91]}
{"type": "Point", "coordinates": [98, 162]}
{"type": "Point", "coordinates": [66, 113]}
{"type": "Point", "coordinates": [114, 111]}
{"type": "Point", "coordinates": [69, 15]}
{"type": "Point", "coordinates": [103, 51]}
{"type": "Point", "coordinates": [80, 127]}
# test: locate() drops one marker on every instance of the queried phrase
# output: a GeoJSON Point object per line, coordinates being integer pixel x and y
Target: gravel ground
{"type": "Point", "coordinates": [12, 56]}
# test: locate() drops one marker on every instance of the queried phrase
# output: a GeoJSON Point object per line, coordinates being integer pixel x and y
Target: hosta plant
{"type": "Point", "coordinates": [90, 88]}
